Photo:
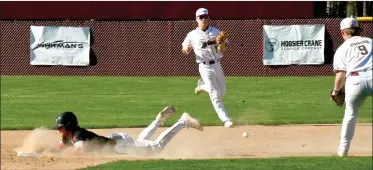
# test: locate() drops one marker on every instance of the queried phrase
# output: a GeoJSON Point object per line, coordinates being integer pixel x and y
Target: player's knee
{"type": "Point", "coordinates": [351, 110]}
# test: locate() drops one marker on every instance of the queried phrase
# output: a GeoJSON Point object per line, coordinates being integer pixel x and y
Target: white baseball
{"type": "Point", "coordinates": [244, 134]}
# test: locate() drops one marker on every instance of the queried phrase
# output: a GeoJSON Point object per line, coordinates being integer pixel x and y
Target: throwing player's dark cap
{"type": "Point", "coordinates": [68, 120]}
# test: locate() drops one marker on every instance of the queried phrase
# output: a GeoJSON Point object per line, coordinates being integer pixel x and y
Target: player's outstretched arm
{"type": "Point", "coordinates": [340, 78]}
{"type": "Point", "coordinates": [187, 44]}
{"type": "Point", "coordinates": [187, 49]}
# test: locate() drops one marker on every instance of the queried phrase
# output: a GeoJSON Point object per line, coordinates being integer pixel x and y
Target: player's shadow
{"type": "Point", "coordinates": [92, 54]}
{"type": "Point", "coordinates": [328, 48]}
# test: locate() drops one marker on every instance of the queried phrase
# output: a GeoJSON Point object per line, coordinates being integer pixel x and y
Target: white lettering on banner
{"type": "Point", "coordinates": [68, 46]}
{"type": "Point", "coordinates": [293, 44]}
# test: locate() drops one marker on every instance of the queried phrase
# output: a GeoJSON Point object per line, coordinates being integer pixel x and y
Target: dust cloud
{"type": "Point", "coordinates": [39, 140]}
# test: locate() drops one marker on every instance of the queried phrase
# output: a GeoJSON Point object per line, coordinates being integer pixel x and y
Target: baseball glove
{"type": "Point", "coordinates": [339, 98]}
{"type": "Point", "coordinates": [220, 41]}
{"type": "Point", "coordinates": [221, 37]}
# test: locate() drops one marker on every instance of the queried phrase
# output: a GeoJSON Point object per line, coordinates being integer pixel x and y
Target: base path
{"type": "Point", "coordinates": [214, 142]}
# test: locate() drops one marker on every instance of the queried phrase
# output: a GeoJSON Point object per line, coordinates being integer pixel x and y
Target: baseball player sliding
{"type": "Point", "coordinates": [353, 67]}
{"type": "Point", "coordinates": [209, 43]}
{"type": "Point", "coordinates": [83, 140]}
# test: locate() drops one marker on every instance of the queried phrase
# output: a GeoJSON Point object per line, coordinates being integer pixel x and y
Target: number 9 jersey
{"type": "Point", "coordinates": [354, 55]}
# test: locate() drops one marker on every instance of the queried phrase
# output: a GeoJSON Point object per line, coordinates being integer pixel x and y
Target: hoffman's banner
{"type": "Point", "coordinates": [67, 46]}
{"type": "Point", "coordinates": [293, 44]}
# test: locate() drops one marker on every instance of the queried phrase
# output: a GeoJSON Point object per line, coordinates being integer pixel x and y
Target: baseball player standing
{"type": "Point", "coordinates": [208, 55]}
{"type": "Point", "coordinates": [353, 66]}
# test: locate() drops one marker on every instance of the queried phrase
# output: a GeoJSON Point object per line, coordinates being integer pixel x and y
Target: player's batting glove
{"type": "Point", "coordinates": [339, 96]}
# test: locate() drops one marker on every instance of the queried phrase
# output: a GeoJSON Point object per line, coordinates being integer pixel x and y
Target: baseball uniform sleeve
{"type": "Point", "coordinates": [339, 63]}
{"type": "Point", "coordinates": [188, 40]}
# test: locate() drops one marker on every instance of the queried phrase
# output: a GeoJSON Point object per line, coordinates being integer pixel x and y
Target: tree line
{"type": "Point", "coordinates": [342, 9]}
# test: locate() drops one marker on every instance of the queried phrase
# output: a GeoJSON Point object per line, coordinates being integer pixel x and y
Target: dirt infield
{"type": "Point", "coordinates": [214, 142]}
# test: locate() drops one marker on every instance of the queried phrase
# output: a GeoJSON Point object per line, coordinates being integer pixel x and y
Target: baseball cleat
{"type": "Point", "coordinates": [191, 122]}
{"type": "Point", "coordinates": [165, 113]}
{"type": "Point", "coordinates": [341, 153]}
{"type": "Point", "coordinates": [228, 123]}
{"type": "Point", "coordinates": [197, 90]}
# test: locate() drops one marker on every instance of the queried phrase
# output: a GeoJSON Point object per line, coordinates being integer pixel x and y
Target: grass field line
{"type": "Point", "coordinates": [286, 163]}
{"type": "Point", "coordinates": [29, 102]}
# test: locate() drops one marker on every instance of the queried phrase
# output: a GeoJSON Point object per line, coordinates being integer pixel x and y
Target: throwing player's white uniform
{"type": "Point", "coordinates": [210, 68]}
{"type": "Point", "coordinates": [354, 57]}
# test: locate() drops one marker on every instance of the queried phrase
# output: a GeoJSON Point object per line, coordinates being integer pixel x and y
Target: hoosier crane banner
{"type": "Point", "coordinates": [67, 46]}
{"type": "Point", "coordinates": [293, 44]}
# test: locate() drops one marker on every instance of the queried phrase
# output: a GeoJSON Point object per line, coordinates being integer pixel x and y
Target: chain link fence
{"type": "Point", "coordinates": [153, 48]}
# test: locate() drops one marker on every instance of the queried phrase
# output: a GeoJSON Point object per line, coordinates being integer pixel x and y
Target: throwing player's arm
{"type": "Point", "coordinates": [187, 44]}
{"type": "Point", "coordinates": [340, 70]}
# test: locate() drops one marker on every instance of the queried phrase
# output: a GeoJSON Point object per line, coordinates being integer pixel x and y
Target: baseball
{"type": "Point", "coordinates": [244, 134]}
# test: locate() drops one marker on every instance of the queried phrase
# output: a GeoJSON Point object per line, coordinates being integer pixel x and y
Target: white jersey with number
{"type": "Point", "coordinates": [354, 55]}
{"type": "Point", "coordinates": [197, 37]}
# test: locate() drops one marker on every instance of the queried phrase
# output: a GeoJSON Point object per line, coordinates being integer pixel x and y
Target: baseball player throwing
{"type": "Point", "coordinates": [353, 67]}
{"type": "Point", "coordinates": [203, 40]}
{"type": "Point", "coordinates": [85, 141]}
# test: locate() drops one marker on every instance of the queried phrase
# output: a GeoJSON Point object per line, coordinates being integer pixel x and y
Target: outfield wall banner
{"type": "Point", "coordinates": [293, 44]}
{"type": "Point", "coordinates": [67, 46]}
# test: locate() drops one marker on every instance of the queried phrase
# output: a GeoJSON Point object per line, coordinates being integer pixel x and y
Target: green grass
{"type": "Point", "coordinates": [28, 102]}
{"type": "Point", "coordinates": [288, 163]}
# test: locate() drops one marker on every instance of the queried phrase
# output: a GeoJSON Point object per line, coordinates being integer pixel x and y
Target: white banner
{"type": "Point", "coordinates": [68, 46]}
{"type": "Point", "coordinates": [293, 44]}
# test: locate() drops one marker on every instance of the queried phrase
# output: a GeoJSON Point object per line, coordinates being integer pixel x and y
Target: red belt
{"type": "Point", "coordinates": [355, 74]}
